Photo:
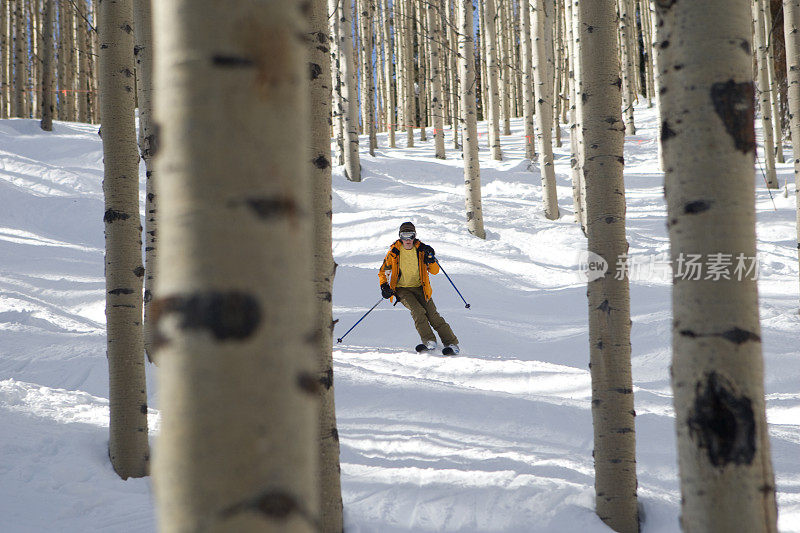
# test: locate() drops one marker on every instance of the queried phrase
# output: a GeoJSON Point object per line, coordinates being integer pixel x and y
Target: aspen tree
{"type": "Point", "coordinates": [528, 108]}
{"type": "Point", "coordinates": [516, 75]}
{"type": "Point", "coordinates": [505, 86]}
{"type": "Point", "coordinates": [238, 449]}
{"type": "Point", "coordinates": [609, 300]}
{"type": "Point", "coordinates": [62, 66]}
{"type": "Point", "coordinates": [324, 267]}
{"type": "Point", "coordinates": [544, 113]}
{"type": "Point", "coordinates": [791, 32]}
{"type": "Point", "coordinates": [83, 64]}
{"type": "Point", "coordinates": [575, 130]}
{"type": "Point", "coordinates": [388, 63]}
{"type": "Point", "coordinates": [5, 58]}
{"type": "Point", "coordinates": [558, 95]}
{"type": "Point", "coordinates": [455, 82]}
{"type": "Point", "coordinates": [47, 66]}
{"type": "Point", "coordinates": [400, 73]}
{"type": "Point", "coordinates": [437, 112]}
{"type": "Point", "coordinates": [94, 103]}
{"type": "Point", "coordinates": [34, 72]}
{"type": "Point", "coordinates": [128, 446]}
{"type": "Point", "coordinates": [143, 55]}
{"type": "Point", "coordinates": [368, 93]}
{"type": "Point", "coordinates": [472, 171]}
{"type": "Point", "coordinates": [647, 40]}
{"type": "Point", "coordinates": [493, 69]}
{"type": "Point", "coordinates": [336, 79]}
{"type": "Point", "coordinates": [774, 97]}
{"type": "Point", "coordinates": [407, 19]}
{"type": "Point", "coordinates": [71, 70]}
{"type": "Point", "coordinates": [708, 137]}
{"type": "Point", "coordinates": [20, 59]}
{"type": "Point", "coordinates": [347, 66]}
{"type": "Point", "coordinates": [421, 87]}
{"type": "Point", "coordinates": [764, 104]}
{"type": "Point", "coordinates": [626, 27]}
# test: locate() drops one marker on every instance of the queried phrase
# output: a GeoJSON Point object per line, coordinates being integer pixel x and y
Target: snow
{"type": "Point", "coordinates": [498, 438]}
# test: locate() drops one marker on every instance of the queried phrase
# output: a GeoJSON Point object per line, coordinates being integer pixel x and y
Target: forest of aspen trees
{"type": "Point", "coordinates": [238, 105]}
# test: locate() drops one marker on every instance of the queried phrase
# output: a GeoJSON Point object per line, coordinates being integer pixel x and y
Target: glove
{"type": "Point", "coordinates": [429, 254]}
{"type": "Point", "coordinates": [386, 291]}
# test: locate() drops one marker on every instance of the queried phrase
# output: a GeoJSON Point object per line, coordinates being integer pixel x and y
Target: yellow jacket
{"type": "Point", "coordinates": [392, 263]}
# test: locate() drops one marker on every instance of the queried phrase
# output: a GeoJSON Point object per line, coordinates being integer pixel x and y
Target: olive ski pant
{"type": "Point", "coordinates": [425, 315]}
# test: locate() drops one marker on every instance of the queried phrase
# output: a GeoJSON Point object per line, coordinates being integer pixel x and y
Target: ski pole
{"type": "Point", "coordinates": [359, 320]}
{"type": "Point", "coordinates": [451, 282]}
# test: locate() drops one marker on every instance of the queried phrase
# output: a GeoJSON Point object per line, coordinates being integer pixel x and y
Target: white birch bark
{"type": "Point", "coordinates": [791, 31]}
{"type": "Point", "coordinates": [764, 104]}
{"type": "Point", "coordinates": [543, 96]}
{"type": "Point", "coordinates": [238, 449]}
{"type": "Point", "coordinates": [472, 171]}
{"type": "Point", "coordinates": [727, 483]}
{"type": "Point", "coordinates": [609, 302]}
{"type": "Point", "coordinates": [128, 447]}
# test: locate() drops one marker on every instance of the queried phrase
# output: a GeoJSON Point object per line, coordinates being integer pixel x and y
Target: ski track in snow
{"type": "Point", "coordinates": [498, 438]}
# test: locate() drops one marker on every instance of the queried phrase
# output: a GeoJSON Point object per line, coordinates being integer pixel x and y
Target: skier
{"type": "Point", "coordinates": [409, 262]}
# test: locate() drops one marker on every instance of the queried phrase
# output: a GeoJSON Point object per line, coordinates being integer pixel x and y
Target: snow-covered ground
{"type": "Point", "coordinates": [496, 439]}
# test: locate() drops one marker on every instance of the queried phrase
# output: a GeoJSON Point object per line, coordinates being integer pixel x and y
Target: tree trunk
{"type": "Point", "coordinates": [505, 48]}
{"type": "Point", "coordinates": [20, 60]}
{"type": "Point", "coordinates": [544, 113]}
{"type": "Point", "coordinates": [83, 65]}
{"type": "Point", "coordinates": [455, 83]}
{"type": "Point", "coordinates": [575, 112]}
{"type": "Point", "coordinates": [609, 303]}
{"type": "Point", "coordinates": [324, 267]}
{"type": "Point", "coordinates": [238, 449]}
{"type": "Point", "coordinates": [777, 132]}
{"type": "Point", "coordinates": [336, 80]}
{"type": "Point", "coordinates": [368, 93]}
{"type": "Point", "coordinates": [436, 81]}
{"type": "Point", "coordinates": [727, 483]}
{"type": "Point", "coordinates": [472, 171]}
{"type": "Point", "coordinates": [626, 28]}
{"type": "Point", "coordinates": [47, 66]}
{"type": "Point", "coordinates": [388, 64]}
{"type": "Point", "coordinates": [791, 31]}
{"type": "Point", "coordinates": [128, 447]}
{"type": "Point", "coordinates": [347, 66]}
{"type": "Point", "coordinates": [5, 58]}
{"type": "Point", "coordinates": [143, 54]}
{"type": "Point", "coordinates": [528, 108]}
{"type": "Point", "coordinates": [493, 68]}
{"type": "Point", "coordinates": [764, 104]}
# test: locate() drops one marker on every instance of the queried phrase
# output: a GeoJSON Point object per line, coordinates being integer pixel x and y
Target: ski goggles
{"type": "Point", "coordinates": [407, 235]}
